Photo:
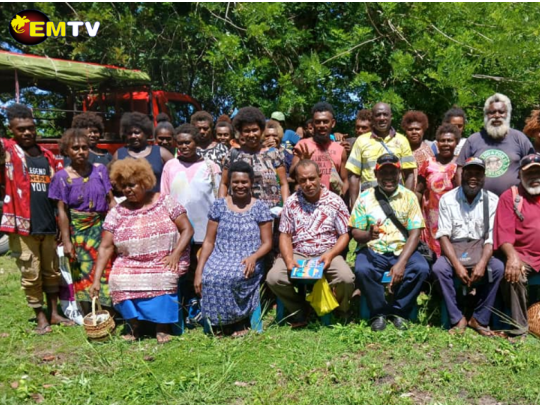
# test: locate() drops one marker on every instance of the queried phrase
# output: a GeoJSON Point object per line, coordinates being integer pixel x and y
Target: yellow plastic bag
{"type": "Point", "coordinates": [321, 298]}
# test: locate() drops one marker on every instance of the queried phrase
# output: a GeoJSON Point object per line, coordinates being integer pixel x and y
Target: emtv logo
{"type": "Point", "coordinates": [32, 27]}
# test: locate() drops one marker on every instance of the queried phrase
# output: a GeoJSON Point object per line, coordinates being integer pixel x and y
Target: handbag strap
{"type": "Point", "coordinates": [486, 214]}
{"type": "Point", "coordinates": [386, 147]}
{"type": "Point", "coordinates": [212, 177]}
{"type": "Point", "coordinates": [389, 212]}
{"type": "Point", "coordinates": [331, 160]}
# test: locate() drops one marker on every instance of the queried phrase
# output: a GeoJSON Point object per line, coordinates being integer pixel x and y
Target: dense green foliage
{"type": "Point", "coordinates": [287, 56]}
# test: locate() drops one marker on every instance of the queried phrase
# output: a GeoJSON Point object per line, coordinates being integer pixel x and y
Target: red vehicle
{"type": "Point", "coordinates": [58, 89]}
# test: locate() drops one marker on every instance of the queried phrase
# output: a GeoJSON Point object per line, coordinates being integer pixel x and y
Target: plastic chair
{"type": "Point", "coordinates": [256, 321]}
{"type": "Point", "coordinates": [178, 328]}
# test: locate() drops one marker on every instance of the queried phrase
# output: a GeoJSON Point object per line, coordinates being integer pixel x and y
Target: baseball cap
{"type": "Point", "coordinates": [388, 159]}
{"type": "Point", "coordinates": [530, 160]}
{"type": "Point", "coordinates": [475, 161]}
{"type": "Point", "coordinates": [278, 116]}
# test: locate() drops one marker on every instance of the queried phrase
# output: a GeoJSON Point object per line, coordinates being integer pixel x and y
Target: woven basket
{"type": "Point", "coordinates": [534, 319]}
{"type": "Point", "coordinates": [98, 331]}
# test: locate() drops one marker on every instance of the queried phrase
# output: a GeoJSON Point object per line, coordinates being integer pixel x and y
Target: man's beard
{"type": "Point", "coordinates": [320, 139]}
{"type": "Point", "coordinates": [532, 190]}
{"type": "Point", "coordinates": [497, 132]}
{"type": "Point", "coordinates": [470, 192]}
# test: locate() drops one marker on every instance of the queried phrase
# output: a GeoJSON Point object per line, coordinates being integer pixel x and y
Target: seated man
{"type": "Point", "coordinates": [388, 242]}
{"type": "Point", "coordinates": [466, 216]}
{"type": "Point", "coordinates": [515, 234]}
{"type": "Point", "coordinates": [313, 223]}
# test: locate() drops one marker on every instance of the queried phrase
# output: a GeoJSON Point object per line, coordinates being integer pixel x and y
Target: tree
{"type": "Point", "coordinates": [287, 56]}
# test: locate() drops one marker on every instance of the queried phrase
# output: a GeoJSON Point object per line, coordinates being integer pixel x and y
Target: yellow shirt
{"type": "Point", "coordinates": [368, 148]}
{"type": "Point", "coordinates": [367, 211]}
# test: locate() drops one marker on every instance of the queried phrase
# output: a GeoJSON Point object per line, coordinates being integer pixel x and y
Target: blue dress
{"type": "Point", "coordinates": [227, 296]}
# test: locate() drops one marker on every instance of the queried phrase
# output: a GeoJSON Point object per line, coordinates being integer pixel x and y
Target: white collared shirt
{"type": "Point", "coordinates": [459, 220]}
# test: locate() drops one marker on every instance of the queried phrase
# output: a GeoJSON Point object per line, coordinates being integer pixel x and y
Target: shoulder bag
{"type": "Point", "coordinates": [422, 248]}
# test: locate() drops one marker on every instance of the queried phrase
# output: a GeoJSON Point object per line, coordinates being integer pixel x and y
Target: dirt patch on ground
{"type": "Point", "coordinates": [486, 400]}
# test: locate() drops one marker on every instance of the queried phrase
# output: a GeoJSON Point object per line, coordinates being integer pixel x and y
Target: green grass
{"type": "Point", "coordinates": [319, 365]}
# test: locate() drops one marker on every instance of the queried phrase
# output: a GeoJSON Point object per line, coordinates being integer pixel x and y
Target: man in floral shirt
{"type": "Point", "coordinates": [313, 225]}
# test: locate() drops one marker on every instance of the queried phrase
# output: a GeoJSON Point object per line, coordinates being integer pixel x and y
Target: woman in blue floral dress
{"type": "Point", "coordinates": [230, 269]}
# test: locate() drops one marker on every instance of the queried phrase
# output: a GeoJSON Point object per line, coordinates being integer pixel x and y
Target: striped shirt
{"type": "Point", "coordinates": [368, 148]}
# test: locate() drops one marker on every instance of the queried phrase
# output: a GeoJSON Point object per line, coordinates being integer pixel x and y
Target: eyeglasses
{"type": "Point", "coordinates": [532, 158]}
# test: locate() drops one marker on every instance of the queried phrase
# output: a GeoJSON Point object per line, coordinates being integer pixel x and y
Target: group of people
{"type": "Point", "coordinates": [211, 212]}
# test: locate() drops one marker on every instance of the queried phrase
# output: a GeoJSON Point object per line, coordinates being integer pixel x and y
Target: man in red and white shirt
{"type": "Point", "coordinates": [314, 223]}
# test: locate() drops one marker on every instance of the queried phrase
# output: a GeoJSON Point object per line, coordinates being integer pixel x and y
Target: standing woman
{"type": "Point", "coordinates": [230, 268]}
{"type": "Point", "coordinates": [164, 133]}
{"type": "Point", "coordinates": [415, 124]}
{"type": "Point", "coordinates": [151, 234]}
{"type": "Point", "coordinates": [270, 181]}
{"type": "Point", "coordinates": [137, 128]}
{"type": "Point", "coordinates": [92, 123]}
{"type": "Point", "coordinates": [457, 117]}
{"type": "Point", "coordinates": [193, 182]}
{"type": "Point", "coordinates": [83, 194]}
{"type": "Point", "coordinates": [436, 177]}
{"type": "Point", "coordinates": [224, 133]}
{"type": "Point", "coordinates": [532, 129]}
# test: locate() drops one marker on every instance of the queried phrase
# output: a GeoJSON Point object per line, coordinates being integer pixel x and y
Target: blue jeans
{"type": "Point", "coordinates": [369, 269]}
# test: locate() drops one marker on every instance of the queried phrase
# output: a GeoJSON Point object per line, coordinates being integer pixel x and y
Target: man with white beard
{"type": "Point", "coordinates": [515, 234]}
{"type": "Point", "coordinates": [500, 146]}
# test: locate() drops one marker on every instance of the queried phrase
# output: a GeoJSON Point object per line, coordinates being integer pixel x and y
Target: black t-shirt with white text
{"type": "Point", "coordinates": [42, 218]}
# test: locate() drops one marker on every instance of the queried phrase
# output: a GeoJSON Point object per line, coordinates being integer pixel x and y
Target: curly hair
{"type": "Point", "coordinates": [249, 115]}
{"type": "Point", "coordinates": [242, 167]}
{"type": "Point", "coordinates": [136, 119]}
{"type": "Point", "coordinates": [455, 111]}
{"type": "Point", "coordinates": [414, 116]}
{"type": "Point", "coordinates": [323, 106]}
{"type": "Point", "coordinates": [224, 118]}
{"type": "Point", "coordinates": [69, 137]}
{"type": "Point", "coordinates": [136, 171]}
{"type": "Point", "coordinates": [18, 111]}
{"type": "Point", "coordinates": [187, 129]}
{"type": "Point", "coordinates": [163, 117]}
{"type": "Point", "coordinates": [225, 124]}
{"type": "Point", "coordinates": [88, 120]}
{"type": "Point", "coordinates": [364, 115]}
{"type": "Point", "coordinates": [273, 124]}
{"type": "Point", "coordinates": [202, 116]}
{"type": "Point", "coordinates": [532, 124]}
{"type": "Point", "coordinates": [499, 98]}
{"type": "Point", "coordinates": [163, 124]}
{"type": "Point", "coordinates": [447, 129]}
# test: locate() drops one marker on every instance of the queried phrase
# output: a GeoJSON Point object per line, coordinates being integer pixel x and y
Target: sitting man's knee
{"type": "Point", "coordinates": [276, 275]}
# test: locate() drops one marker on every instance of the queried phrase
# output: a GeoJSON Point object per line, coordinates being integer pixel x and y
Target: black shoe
{"type": "Point", "coordinates": [400, 323]}
{"type": "Point", "coordinates": [378, 324]}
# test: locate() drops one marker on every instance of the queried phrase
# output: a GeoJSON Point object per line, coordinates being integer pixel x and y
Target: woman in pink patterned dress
{"type": "Point", "coordinates": [437, 176]}
{"type": "Point", "coordinates": [151, 234]}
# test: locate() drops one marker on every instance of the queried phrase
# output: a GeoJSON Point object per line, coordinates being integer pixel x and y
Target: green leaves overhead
{"type": "Point", "coordinates": [287, 56]}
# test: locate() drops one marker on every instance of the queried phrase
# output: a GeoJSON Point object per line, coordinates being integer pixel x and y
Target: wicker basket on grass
{"type": "Point", "coordinates": [534, 319]}
{"type": "Point", "coordinates": [98, 324]}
